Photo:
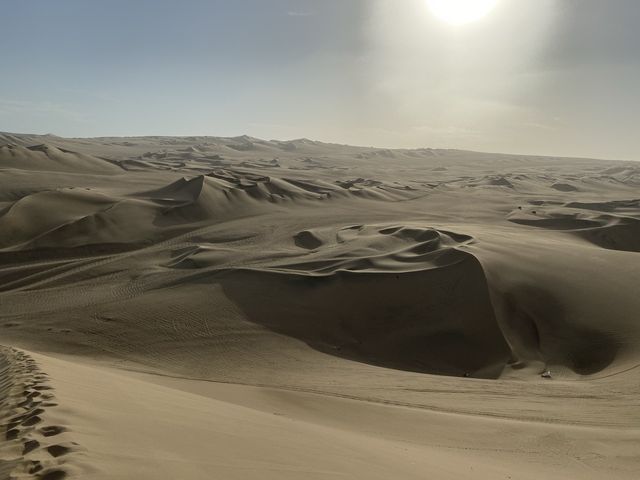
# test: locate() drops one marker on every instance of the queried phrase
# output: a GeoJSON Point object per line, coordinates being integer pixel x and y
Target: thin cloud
{"type": "Point", "coordinates": [300, 13]}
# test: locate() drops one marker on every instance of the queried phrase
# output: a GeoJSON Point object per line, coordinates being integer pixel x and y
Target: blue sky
{"type": "Point", "coordinates": [534, 76]}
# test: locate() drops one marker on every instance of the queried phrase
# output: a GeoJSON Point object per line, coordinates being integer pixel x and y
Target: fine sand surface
{"type": "Point", "coordinates": [203, 307]}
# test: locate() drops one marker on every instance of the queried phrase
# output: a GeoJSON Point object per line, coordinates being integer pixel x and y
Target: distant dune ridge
{"type": "Point", "coordinates": [49, 158]}
{"type": "Point", "coordinates": [295, 309]}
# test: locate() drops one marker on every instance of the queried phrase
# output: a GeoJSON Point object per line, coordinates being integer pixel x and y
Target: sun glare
{"type": "Point", "coordinates": [459, 12]}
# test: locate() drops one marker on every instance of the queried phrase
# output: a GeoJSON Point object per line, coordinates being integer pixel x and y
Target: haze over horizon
{"type": "Point", "coordinates": [552, 77]}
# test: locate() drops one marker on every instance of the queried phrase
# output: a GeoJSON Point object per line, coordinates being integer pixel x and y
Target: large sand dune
{"type": "Point", "coordinates": [199, 307]}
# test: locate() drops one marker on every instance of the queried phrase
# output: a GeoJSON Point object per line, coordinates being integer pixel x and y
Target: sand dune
{"type": "Point", "coordinates": [614, 225]}
{"type": "Point", "coordinates": [379, 317]}
{"type": "Point", "coordinates": [48, 157]}
{"type": "Point", "coordinates": [291, 309]}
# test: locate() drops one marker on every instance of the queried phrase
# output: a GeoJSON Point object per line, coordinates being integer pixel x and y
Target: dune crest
{"type": "Point", "coordinates": [50, 158]}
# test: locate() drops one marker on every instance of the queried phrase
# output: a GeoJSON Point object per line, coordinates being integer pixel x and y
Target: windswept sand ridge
{"type": "Point", "coordinates": [26, 140]}
{"type": "Point", "coordinates": [243, 186]}
{"type": "Point", "coordinates": [493, 181]}
{"type": "Point", "coordinates": [31, 448]}
{"type": "Point", "coordinates": [36, 214]}
{"type": "Point", "coordinates": [382, 248]}
{"type": "Point", "coordinates": [71, 218]}
{"type": "Point", "coordinates": [614, 225]}
{"type": "Point", "coordinates": [74, 217]}
{"type": "Point", "coordinates": [628, 174]}
{"type": "Point", "coordinates": [48, 157]}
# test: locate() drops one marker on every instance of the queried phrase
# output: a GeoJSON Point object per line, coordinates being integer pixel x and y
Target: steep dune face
{"type": "Point", "coordinates": [398, 296]}
{"type": "Point", "coordinates": [438, 321]}
{"type": "Point", "coordinates": [555, 309]}
{"type": "Point", "coordinates": [542, 330]}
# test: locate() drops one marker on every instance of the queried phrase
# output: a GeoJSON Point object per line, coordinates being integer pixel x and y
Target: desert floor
{"type": "Point", "coordinates": [202, 307]}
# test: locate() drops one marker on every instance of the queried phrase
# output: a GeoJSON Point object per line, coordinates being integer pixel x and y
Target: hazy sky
{"type": "Point", "coordinates": [534, 76]}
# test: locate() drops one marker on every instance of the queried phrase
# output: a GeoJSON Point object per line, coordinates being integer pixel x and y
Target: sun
{"type": "Point", "coordinates": [459, 12]}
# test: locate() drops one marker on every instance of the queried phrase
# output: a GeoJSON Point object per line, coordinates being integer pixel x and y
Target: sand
{"type": "Point", "coordinates": [205, 307]}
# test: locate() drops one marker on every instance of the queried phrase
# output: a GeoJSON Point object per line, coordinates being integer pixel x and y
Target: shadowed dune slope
{"type": "Point", "coordinates": [569, 305]}
{"type": "Point", "coordinates": [72, 217]}
{"type": "Point", "coordinates": [397, 296]}
{"type": "Point", "coordinates": [437, 321]}
{"type": "Point", "coordinates": [613, 225]}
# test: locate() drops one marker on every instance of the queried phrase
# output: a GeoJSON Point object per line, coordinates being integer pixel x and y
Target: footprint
{"type": "Point", "coordinates": [29, 393]}
{"type": "Point", "coordinates": [32, 420]}
{"type": "Point", "coordinates": [36, 466]}
{"type": "Point", "coordinates": [13, 424]}
{"type": "Point", "coordinates": [28, 404]}
{"type": "Point", "coordinates": [20, 419]}
{"type": "Point", "coordinates": [58, 450]}
{"type": "Point", "coordinates": [30, 446]}
{"type": "Point", "coordinates": [52, 430]}
{"type": "Point", "coordinates": [53, 475]}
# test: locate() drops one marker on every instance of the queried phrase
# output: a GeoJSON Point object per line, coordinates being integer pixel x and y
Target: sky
{"type": "Point", "coordinates": [547, 77]}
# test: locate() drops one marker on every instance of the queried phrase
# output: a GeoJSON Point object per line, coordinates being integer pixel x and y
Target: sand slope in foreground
{"type": "Point", "coordinates": [195, 431]}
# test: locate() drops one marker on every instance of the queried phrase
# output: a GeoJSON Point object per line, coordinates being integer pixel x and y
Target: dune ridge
{"type": "Point", "coordinates": [46, 157]}
{"type": "Point", "coordinates": [613, 225]}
